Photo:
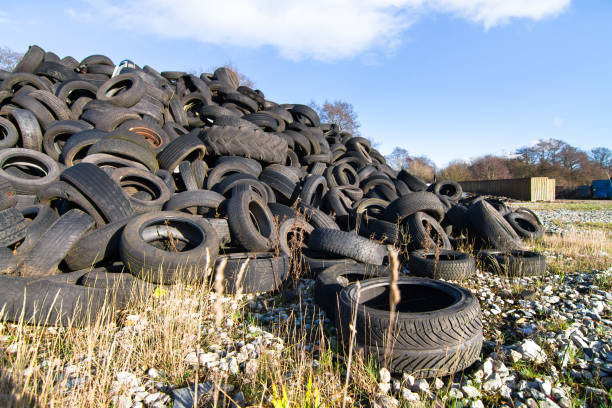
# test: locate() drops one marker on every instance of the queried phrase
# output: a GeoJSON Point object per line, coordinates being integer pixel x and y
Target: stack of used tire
{"type": "Point", "coordinates": [166, 175]}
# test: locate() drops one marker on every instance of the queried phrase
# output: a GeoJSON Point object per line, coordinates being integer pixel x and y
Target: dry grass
{"type": "Point", "coordinates": [595, 205]}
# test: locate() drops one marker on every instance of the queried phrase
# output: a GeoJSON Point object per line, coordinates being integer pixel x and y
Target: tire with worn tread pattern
{"type": "Point", "coordinates": [521, 263]}
{"type": "Point", "coordinates": [426, 232]}
{"type": "Point", "coordinates": [437, 329]}
{"type": "Point", "coordinates": [492, 227]}
{"type": "Point", "coordinates": [251, 143]}
{"type": "Point", "coordinates": [13, 226]}
{"type": "Point", "coordinates": [347, 244]}
{"type": "Point", "coordinates": [265, 272]}
{"type": "Point", "coordinates": [443, 264]}
{"type": "Point", "coordinates": [524, 225]}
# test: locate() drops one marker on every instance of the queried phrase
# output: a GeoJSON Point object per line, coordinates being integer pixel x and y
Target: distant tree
{"type": "Point", "coordinates": [423, 167]}
{"type": "Point", "coordinates": [9, 58]}
{"type": "Point", "coordinates": [339, 112]}
{"type": "Point", "coordinates": [456, 170]}
{"type": "Point", "coordinates": [398, 158]}
{"type": "Point", "coordinates": [602, 156]}
{"type": "Point", "coordinates": [489, 168]}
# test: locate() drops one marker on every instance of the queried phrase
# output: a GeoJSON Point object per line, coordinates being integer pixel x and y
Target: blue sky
{"type": "Point", "coordinates": [443, 78]}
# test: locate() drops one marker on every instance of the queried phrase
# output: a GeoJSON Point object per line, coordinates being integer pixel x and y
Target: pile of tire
{"type": "Point", "coordinates": [108, 168]}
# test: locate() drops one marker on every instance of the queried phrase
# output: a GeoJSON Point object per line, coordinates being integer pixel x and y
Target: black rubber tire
{"type": "Point", "coordinates": [265, 272]}
{"type": "Point", "coordinates": [31, 159]}
{"type": "Point", "coordinates": [281, 212]}
{"type": "Point", "coordinates": [30, 60]}
{"type": "Point", "coordinates": [528, 212]}
{"type": "Point", "coordinates": [426, 232]}
{"type": "Point", "coordinates": [237, 181]}
{"type": "Point", "coordinates": [221, 228]}
{"type": "Point", "coordinates": [332, 280]}
{"type": "Point", "coordinates": [39, 218]}
{"type": "Point", "coordinates": [227, 165]}
{"type": "Point", "coordinates": [317, 217]}
{"type": "Point", "coordinates": [299, 112]}
{"type": "Point", "coordinates": [458, 217]}
{"type": "Point", "coordinates": [313, 190]}
{"type": "Point", "coordinates": [347, 244]}
{"type": "Point", "coordinates": [8, 261]}
{"type": "Point", "coordinates": [251, 222]}
{"type": "Point", "coordinates": [79, 143]}
{"type": "Point", "coordinates": [100, 189]}
{"type": "Point", "coordinates": [157, 191]}
{"type": "Point", "coordinates": [187, 147]}
{"type": "Point", "coordinates": [443, 264]}
{"type": "Point", "coordinates": [285, 189]}
{"type": "Point", "coordinates": [157, 138]}
{"type": "Point", "coordinates": [8, 134]}
{"type": "Point", "coordinates": [518, 263]}
{"type": "Point", "coordinates": [29, 130]}
{"type": "Point", "coordinates": [155, 265]}
{"type": "Point", "coordinates": [64, 191]}
{"type": "Point", "coordinates": [187, 176]}
{"type": "Point", "coordinates": [8, 196]}
{"type": "Point", "coordinates": [383, 231]}
{"type": "Point", "coordinates": [447, 188]}
{"type": "Point", "coordinates": [492, 228]}
{"type": "Point", "coordinates": [57, 135]}
{"type": "Point", "coordinates": [256, 144]}
{"type": "Point", "coordinates": [201, 201]}
{"type": "Point", "coordinates": [108, 91]}
{"type": "Point", "coordinates": [13, 226]}
{"type": "Point", "coordinates": [293, 226]}
{"type": "Point", "coordinates": [524, 225]}
{"type": "Point", "coordinates": [409, 204]}
{"type": "Point", "coordinates": [437, 329]}
{"type": "Point", "coordinates": [413, 182]}
{"type": "Point", "coordinates": [60, 300]}
{"type": "Point", "coordinates": [44, 258]}
{"type": "Point", "coordinates": [101, 244]}
{"type": "Point", "coordinates": [125, 149]}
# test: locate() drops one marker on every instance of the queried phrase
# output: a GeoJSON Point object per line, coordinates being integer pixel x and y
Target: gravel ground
{"type": "Point", "coordinates": [551, 218]}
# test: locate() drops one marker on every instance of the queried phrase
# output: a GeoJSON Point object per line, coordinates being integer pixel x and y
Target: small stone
{"type": "Point", "coordinates": [470, 391]}
{"type": "Point", "coordinates": [531, 351]}
{"type": "Point", "coordinates": [408, 380]}
{"type": "Point", "coordinates": [384, 375]}
{"type": "Point", "coordinates": [124, 402]}
{"type": "Point", "coordinates": [438, 384]}
{"type": "Point", "coordinates": [153, 373]}
{"type": "Point", "coordinates": [384, 401]}
{"type": "Point", "coordinates": [515, 356]}
{"type": "Point", "coordinates": [531, 403]}
{"type": "Point", "coordinates": [499, 367]}
{"type": "Point", "coordinates": [477, 404]}
{"type": "Point", "coordinates": [492, 384]}
{"type": "Point", "coordinates": [251, 367]}
{"type": "Point", "coordinates": [546, 387]}
{"type": "Point", "coordinates": [151, 398]}
{"type": "Point", "coordinates": [238, 400]}
{"type": "Point", "coordinates": [505, 392]}
{"type": "Point", "coordinates": [421, 386]}
{"type": "Point", "coordinates": [537, 394]}
{"type": "Point", "coordinates": [558, 393]}
{"type": "Point", "coordinates": [384, 387]}
{"type": "Point", "coordinates": [408, 395]}
{"type": "Point", "coordinates": [548, 403]}
{"type": "Point", "coordinates": [455, 393]}
{"type": "Point", "coordinates": [564, 402]}
{"type": "Point", "coordinates": [184, 397]}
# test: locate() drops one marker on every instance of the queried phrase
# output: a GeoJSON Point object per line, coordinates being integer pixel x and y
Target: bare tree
{"type": "Point", "coordinates": [457, 170]}
{"type": "Point", "coordinates": [339, 112]}
{"type": "Point", "coordinates": [9, 58]}
{"type": "Point", "coordinates": [398, 158]}
{"type": "Point", "coordinates": [490, 168]}
{"type": "Point", "coordinates": [602, 156]}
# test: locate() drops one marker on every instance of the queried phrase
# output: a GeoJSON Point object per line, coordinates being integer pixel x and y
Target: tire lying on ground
{"type": "Point", "coordinates": [253, 272]}
{"type": "Point", "coordinates": [163, 246]}
{"type": "Point", "coordinates": [347, 244]}
{"type": "Point", "coordinates": [441, 264]}
{"type": "Point", "coordinates": [525, 225]}
{"type": "Point", "coordinates": [437, 329]}
{"type": "Point", "coordinates": [61, 299]}
{"type": "Point", "coordinates": [492, 227]}
{"type": "Point", "coordinates": [514, 263]}
{"type": "Point", "coordinates": [331, 280]}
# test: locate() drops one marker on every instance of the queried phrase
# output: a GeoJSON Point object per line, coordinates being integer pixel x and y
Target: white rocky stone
{"type": "Point", "coordinates": [532, 352]}
{"type": "Point", "coordinates": [470, 391]}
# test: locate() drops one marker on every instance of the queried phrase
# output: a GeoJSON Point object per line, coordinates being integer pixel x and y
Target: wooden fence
{"type": "Point", "coordinates": [525, 189]}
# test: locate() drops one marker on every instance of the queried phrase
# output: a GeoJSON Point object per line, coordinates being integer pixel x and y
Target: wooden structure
{"type": "Point", "coordinates": [525, 189]}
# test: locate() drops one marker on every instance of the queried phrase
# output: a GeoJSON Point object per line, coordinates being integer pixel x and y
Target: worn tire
{"type": "Point", "coordinates": [437, 329]}
{"type": "Point", "coordinates": [243, 209]}
{"type": "Point", "coordinates": [347, 244]}
{"type": "Point", "coordinates": [492, 227]}
{"type": "Point", "coordinates": [156, 265]}
{"type": "Point", "coordinates": [265, 272]}
{"type": "Point", "coordinates": [426, 232]}
{"type": "Point", "coordinates": [524, 225]}
{"type": "Point", "coordinates": [256, 144]}
{"type": "Point", "coordinates": [444, 264]}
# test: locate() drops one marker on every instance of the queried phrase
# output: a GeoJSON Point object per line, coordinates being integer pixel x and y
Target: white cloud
{"type": "Point", "coordinates": [558, 121]}
{"type": "Point", "coordinates": [318, 29]}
